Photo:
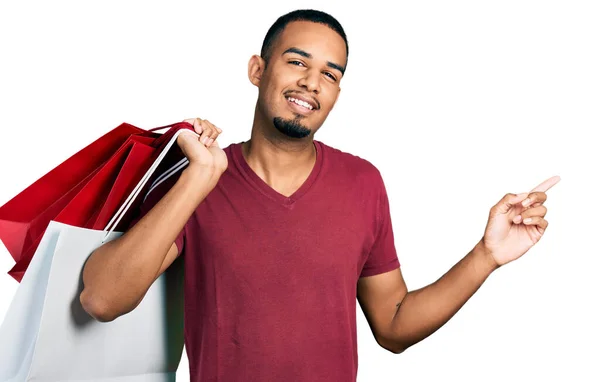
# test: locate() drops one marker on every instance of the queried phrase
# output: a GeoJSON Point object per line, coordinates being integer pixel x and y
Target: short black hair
{"type": "Point", "coordinates": [311, 15]}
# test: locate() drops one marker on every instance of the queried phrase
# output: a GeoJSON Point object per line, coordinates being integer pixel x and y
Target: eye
{"type": "Point", "coordinates": [297, 63]}
{"type": "Point", "coordinates": [330, 76]}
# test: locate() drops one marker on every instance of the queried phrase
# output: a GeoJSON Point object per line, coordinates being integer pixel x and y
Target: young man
{"type": "Point", "coordinates": [282, 233]}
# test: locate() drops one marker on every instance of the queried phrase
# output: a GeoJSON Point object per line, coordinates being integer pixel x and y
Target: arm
{"type": "Point", "coordinates": [417, 314]}
{"type": "Point", "coordinates": [144, 251]}
{"type": "Point", "coordinates": [118, 274]}
{"type": "Point", "coordinates": [399, 318]}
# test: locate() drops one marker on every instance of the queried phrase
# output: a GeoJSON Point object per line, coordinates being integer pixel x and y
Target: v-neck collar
{"type": "Point", "coordinates": [261, 186]}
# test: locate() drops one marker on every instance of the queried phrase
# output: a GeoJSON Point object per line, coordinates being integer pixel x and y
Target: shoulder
{"type": "Point", "coordinates": [231, 153]}
{"type": "Point", "coordinates": [229, 149]}
{"type": "Point", "coordinates": [351, 165]}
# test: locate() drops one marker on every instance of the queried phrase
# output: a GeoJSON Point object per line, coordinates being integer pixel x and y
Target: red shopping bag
{"type": "Point", "coordinates": [131, 172]}
{"type": "Point", "coordinates": [88, 199]}
{"type": "Point", "coordinates": [52, 191]}
{"type": "Point", "coordinates": [130, 175]}
{"type": "Point", "coordinates": [87, 202]}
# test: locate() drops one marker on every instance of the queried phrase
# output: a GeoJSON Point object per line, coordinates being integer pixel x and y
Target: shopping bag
{"type": "Point", "coordinates": [52, 192]}
{"type": "Point", "coordinates": [90, 203]}
{"type": "Point", "coordinates": [46, 336]}
{"type": "Point", "coordinates": [133, 170]}
{"type": "Point", "coordinates": [81, 206]}
{"type": "Point", "coordinates": [131, 173]}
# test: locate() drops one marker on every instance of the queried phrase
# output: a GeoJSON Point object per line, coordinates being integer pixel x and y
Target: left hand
{"type": "Point", "coordinates": [517, 223]}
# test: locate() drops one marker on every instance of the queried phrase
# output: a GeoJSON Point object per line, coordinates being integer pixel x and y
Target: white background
{"type": "Point", "coordinates": [457, 103]}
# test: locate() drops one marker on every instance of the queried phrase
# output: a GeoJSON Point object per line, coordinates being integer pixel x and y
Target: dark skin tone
{"type": "Point", "coordinates": [306, 64]}
{"type": "Point", "coordinates": [301, 82]}
{"type": "Point", "coordinates": [309, 60]}
{"type": "Point", "coordinates": [400, 319]}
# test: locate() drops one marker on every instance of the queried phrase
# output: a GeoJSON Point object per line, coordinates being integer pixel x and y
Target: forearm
{"type": "Point", "coordinates": [118, 274]}
{"type": "Point", "coordinates": [425, 310]}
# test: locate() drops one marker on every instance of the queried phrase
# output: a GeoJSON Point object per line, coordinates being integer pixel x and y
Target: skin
{"type": "Point", "coordinates": [400, 319]}
{"type": "Point", "coordinates": [299, 66]}
{"type": "Point", "coordinates": [147, 249]}
{"type": "Point", "coordinates": [307, 62]}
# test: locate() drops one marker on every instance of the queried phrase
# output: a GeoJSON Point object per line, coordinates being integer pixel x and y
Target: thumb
{"type": "Point", "coordinates": [506, 203]}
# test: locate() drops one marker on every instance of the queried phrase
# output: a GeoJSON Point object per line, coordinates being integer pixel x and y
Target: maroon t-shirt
{"type": "Point", "coordinates": [270, 280]}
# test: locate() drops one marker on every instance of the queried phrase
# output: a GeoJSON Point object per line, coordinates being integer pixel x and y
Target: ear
{"type": "Point", "coordinates": [256, 68]}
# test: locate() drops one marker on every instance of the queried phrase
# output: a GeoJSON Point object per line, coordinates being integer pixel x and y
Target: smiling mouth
{"type": "Point", "coordinates": [300, 103]}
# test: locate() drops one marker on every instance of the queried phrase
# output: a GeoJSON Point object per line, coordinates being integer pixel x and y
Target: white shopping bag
{"type": "Point", "coordinates": [46, 335]}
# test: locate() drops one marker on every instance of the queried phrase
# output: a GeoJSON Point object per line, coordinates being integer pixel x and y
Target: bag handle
{"type": "Point", "coordinates": [167, 174]}
{"type": "Point", "coordinates": [114, 222]}
{"type": "Point", "coordinates": [163, 127]}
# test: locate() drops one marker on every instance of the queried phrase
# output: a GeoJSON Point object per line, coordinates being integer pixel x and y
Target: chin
{"type": "Point", "coordinates": [292, 127]}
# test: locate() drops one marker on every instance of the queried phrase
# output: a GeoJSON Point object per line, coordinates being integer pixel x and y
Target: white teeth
{"type": "Point", "coordinates": [301, 103]}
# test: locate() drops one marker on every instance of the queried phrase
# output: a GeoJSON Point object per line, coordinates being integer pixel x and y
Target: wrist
{"type": "Point", "coordinates": [486, 259]}
{"type": "Point", "coordinates": [196, 172]}
{"type": "Point", "coordinates": [198, 177]}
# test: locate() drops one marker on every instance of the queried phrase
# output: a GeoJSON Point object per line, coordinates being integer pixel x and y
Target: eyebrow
{"type": "Point", "coordinates": [308, 55]}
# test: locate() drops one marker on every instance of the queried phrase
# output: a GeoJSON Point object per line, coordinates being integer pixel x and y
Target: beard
{"type": "Point", "coordinates": [291, 127]}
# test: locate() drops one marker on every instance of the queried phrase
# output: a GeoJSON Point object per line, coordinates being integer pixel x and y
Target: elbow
{"type": "Point", "coordinates": [96, 307]}
{"type": "Point", "coordinates": [395, 349]}
{"type": "Point", "coordinates": [393, 345]}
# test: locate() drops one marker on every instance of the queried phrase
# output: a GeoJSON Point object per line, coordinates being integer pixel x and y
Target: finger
{"type": "Point", "coordinates": [214, 134]}
{"type": "Point", "coordinates": [532, 212]}
{"type": "Point", "coordinates": [536, 220]}
{"type": "Point", "coordinates": [206, 137]}
{"type": "Point", "coordinates": [206, 132]}
{"type": "Point", "coordinates": [534, 198]}
{"type": "Point", "coordinates": [547, 184]}
{"type": "Point", "coordinates": [506, 203]}
{"type": "Point", "coordinates": [185, 136]}
{"type": "Point", "coordinates": [216, 130]}
{"type": "Point", "coordinates": [219, 131]}
{"type": "Point", "coordinates": [193, 122]}
{"type": "Point", "coordinates": [198, 126]}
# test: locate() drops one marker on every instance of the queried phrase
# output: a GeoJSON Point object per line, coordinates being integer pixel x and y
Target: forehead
{"type": "Point", "coordinates": [317, 39]}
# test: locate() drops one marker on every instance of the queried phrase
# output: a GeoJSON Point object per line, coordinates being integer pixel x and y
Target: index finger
{"type": "Point", "coordinates": [547, 184]}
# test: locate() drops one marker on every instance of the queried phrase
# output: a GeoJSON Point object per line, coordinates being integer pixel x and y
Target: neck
{"type": "Point", "coordinates": [284, 163]}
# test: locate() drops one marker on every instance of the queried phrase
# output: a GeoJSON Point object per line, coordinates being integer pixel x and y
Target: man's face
{"type": "Point", "coordinates": [301, 82]}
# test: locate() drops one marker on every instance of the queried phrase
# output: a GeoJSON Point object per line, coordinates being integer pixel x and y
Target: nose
{"type": "Point", "coordinates": [311, 81]}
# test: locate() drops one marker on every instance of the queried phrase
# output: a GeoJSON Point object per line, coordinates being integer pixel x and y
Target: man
{"type": "Point", "coordinates": [282, 233]}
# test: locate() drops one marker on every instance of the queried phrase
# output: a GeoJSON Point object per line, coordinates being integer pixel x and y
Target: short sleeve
{"type": "Point", "coordinates": [382, 257]}
{"type": "Point", "coordinates": [151, 200]}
